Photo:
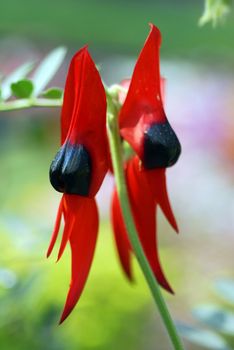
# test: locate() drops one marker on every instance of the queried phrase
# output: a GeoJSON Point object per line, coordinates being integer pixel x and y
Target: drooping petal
{"type": "Point", "coordinates": [56, 228]}
{"type": "Point", "coordinates": [83, 242]}
{"type": "Point", "coordinates": [157, 182]}
{"type": "Point", "coordinates": [72, 205]}
{"type": "Point", "coordinates": [144, 212]}
{"type": "Point", "coordinates": [143, 208]}
{"type": "Point", "coordinates": [121, 238]}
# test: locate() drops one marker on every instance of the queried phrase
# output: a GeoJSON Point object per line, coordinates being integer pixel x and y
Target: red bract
{"type": "Point", "coordinates": [142, 119]}
{"type": "Point", "coordinates": [79, 169]}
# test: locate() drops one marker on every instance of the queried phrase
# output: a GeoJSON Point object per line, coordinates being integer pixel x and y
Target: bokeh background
{"type": "Point", "coordinates": [198, 64]}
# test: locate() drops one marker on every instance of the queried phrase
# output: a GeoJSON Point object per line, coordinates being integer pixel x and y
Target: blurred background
{"type": "Point", "coordinates": [198, 64]}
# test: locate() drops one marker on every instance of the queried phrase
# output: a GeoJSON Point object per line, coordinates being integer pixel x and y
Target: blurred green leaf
{"type": "Point", "coordinates": [215, 11]}
{"type": "Point", "coordinates": [22, 88]}
{"type": "Point", "coordinates": [204, 338]}
{"type": "Point", "coordinates": [53, 93]}
{"type": "Point", "coordinates": [216, 317]}
{"type": "Point", "coordinates": [18, 74]}
{"type": "Point", "coordinates": [47, 69]}
{"type": "Point", "coordinates": [225, 288]}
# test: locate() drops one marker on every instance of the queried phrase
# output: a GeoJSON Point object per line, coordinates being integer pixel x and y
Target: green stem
{"type": "Point", "coordinates": [117, 162]}
{"type": "Point", "coordinates": [28, 103]}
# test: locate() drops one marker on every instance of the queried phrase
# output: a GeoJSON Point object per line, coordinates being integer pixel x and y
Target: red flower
{"type": "Point", "coordinates": [143, 124]}
{"type": "Point", "coordinates": [83, 160]}
{"type": "Point", "coordinates": [79, 169]}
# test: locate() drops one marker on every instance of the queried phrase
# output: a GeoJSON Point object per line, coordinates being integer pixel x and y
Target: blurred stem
{"type": "Point", "coordinates": [117, 162]}
{"type": "Point", "coordinates": [28, 103]}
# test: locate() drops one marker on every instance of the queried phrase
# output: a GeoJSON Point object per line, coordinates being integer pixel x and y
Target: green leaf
{"type": "Point", "coordinates": [207, 339]}
{"type": "Point", "coordinates": [53, 93]}
{"type": "Point", "coordinates": [22, 89]}
{"type": "Point", "coordinates": [225, 288]}
{"type": "Point", "coordinates": [18, 74]}
{"type": "Point", "coordinates": [215, 11]}
{"type": "Point", "coordinates": [216, 317]}
{"type": "Point", "coordinates": [47, 69]}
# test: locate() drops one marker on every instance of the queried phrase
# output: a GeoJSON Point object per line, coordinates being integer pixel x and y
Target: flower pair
{"type": "Point", "coordinates": [83, 161]}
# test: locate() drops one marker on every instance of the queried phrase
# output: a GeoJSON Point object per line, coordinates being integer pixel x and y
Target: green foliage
{"type": "Point", "coordinates": [217, 317]}
{"type": "Point", "coordinates": [202, 337]}
{"type": "Point", "coordinates": [47, 69]}
{"type": "Point", "coordinates": [215, 11]}
{"type": "Point", "coordinates": [53, 93]}
{"type": "Point", "coordinates": [18, 74]}
{"type": "Point", "coordinates": [26, 90]}
{"type": "Point", "coordinates": [22, 89]}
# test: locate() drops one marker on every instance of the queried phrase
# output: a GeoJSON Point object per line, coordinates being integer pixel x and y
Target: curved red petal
{"type": "Point", "coordinates": [83, 119]}
{"type": "Point", "coordinates": [71, 92]}
{"type": "Point", "coordinates": [143, 208]}
{"type": "Point", "coordinates": [120, 235]}
{"type": "Point", "coordinates": [72, 205]}
{"type": "Point", "coordinates": [56, 228]}
{"type": "Point", "coordinates": [83, 242]}
{"type": "Point", "coordinates": [126, 83]}
{"type": "Point", "coordinates": [157, 183]}
{"type": "Point", "coordinates": [143, 104]}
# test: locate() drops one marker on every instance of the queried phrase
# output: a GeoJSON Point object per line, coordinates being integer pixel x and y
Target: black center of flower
{"type": "Point", "coordinates": [161, 146]}
{"type": "Point", "coordinates": [70, 171]}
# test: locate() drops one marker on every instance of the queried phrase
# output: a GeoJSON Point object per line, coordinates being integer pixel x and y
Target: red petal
{"type": "Point", "coordinates": [72, 205]}
{"type": "Point", "coordinates": [126, 83]}
{"type": "Point", "coordinates": [121, 238]}
{"type": "Point", "coordinates": [71, 93]}
{"type": "Point", "coordinates": [56, 228]}
{"type": "Point", "coordinates": [143, 104]}
{"type": "Point", "coordinates": [83, 241]}
{"type": "Point", "coordinates": [83, 118]}
{"type": "Point", "coordinates": [157, 183]}
{"type": "Point", "coordinates": [143, 208]}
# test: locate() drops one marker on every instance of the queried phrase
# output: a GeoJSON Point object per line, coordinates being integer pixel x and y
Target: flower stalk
{"type": "Point", "coordinates": [117, 162]}
{"type": "Point", "coordinates": [25, 103]}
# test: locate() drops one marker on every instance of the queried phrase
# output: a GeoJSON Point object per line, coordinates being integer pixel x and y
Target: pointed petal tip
{"type": "Point", "coordinates": [84, 49]}
{"type": "Point", "coordinates": [174, 225]}
{"type": "Point", "coordinates": [129, 275]}
{"type": "Point", "coordinates": [170, 290]}
{"type": "Point", "coordinates": [58, 258]}
{"type": "Point", "coordinates": [63, 318]}
{"type": "Point", "coordinates": [167, 287]}
{"type": "Point", "coordinates": [49, 250]}
{"type": "Point", "coordinates": [82, 52]}
{"type": "Point", "coordinates": [155, 31]}
{"type": "Point", "coordinates": [68, 308]}
{"type": "Point", "coordinates": [132, 279]}
{"type": "Point", "coordinates": [60, 253]}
